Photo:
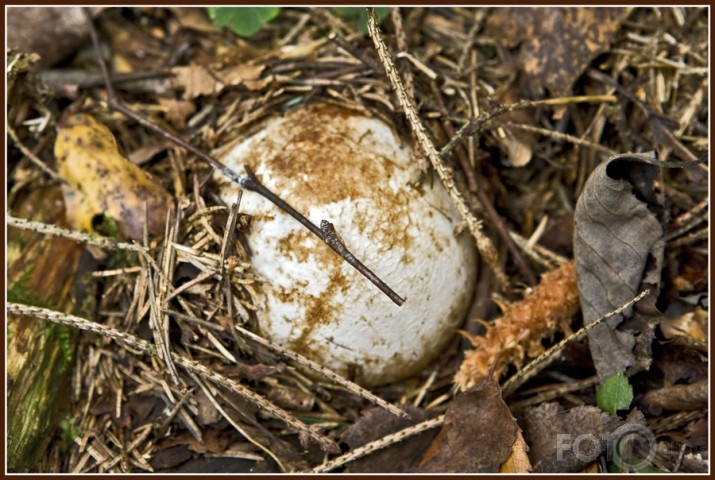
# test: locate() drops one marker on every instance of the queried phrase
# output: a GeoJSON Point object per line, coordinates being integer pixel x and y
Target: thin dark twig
{"type": "Point", "coordinates": [475, 125]}
{"type": "Point", "coordinates": [249, 182]}
{"type": "Point", "coordinates": [326, 232]}
{"type": "Point", "coordinates": [32, 157]}
{"type": "Point", "coordinates": [56, 78]}
{"type": "Point", "coordinates": [367, 60]}
{"type": "Point", "coordinates": [331, 238]}
{"type": "Point", "coordinates": [471, 174]}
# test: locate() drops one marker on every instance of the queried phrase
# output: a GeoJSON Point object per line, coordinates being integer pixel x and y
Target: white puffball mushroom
{"type": "Point", "coordinates": [352, 170]}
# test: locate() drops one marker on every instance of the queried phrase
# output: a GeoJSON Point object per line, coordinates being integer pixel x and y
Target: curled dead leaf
{"type": "Point", "coordinates": [618, 249]}
{"type": "Point", "coordinates": [101, 181]}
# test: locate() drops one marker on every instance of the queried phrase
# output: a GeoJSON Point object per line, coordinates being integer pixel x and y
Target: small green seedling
{"type": "Point", "coordinates": [69, 430]}
{"type": "Point", "coordinates": [244, 21]}
{"type": "Point", "coordinates": [615, 394]}
{"type": "Point", "coordinates": [360, 13]}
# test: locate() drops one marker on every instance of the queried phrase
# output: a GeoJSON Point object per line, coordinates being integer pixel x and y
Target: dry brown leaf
{"type": "Point", "coordinates": [550, 432]}
{"type": "Point", "coordinates": [518, 462]}
{"type": "Point", "coordinates": [557, 43]}
{"type": "Point", "coordinates": [101, 181]}
{"type": "Point", "coordinates": [197, 80]}
{"type": "Point", "coordinates": [478, 434]}
{"type": "Point", "coordinates": [195, 19]}
{"type": "Point", "coordinates": [518, 333]}
{"type": "Point", "coordinates": [177, 111]}
{"type": "Point", "coordinates": [239, 74]}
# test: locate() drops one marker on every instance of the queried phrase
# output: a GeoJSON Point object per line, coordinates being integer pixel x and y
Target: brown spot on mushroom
{"type": "Point", "coordinates": [316, 159]}
{"type": "Point", "coordinates": [319, 311]}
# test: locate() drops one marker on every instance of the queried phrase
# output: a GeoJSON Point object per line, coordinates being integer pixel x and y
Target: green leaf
{"type": "Point", "coordinates": [614, 468]}
{"type": "Point", "coordinates": [348, 12]}
{"type": "Point", "coordinates": [244, 21]}
{"type": "Point", "coordinates": [361, 14]}
{"type": "Point", "coordinates": [615, 394]}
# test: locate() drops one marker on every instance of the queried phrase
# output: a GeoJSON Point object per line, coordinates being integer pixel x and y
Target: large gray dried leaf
{"type": "Point", "coordinates": [618, 248]}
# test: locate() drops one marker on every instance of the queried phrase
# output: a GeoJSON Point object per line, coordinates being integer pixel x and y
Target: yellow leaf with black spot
{"type": "Point", "coordinates": [100, 181]}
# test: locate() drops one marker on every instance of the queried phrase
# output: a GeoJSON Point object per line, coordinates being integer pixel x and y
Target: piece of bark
{"type": "Point", "coordinates": [47, 271]}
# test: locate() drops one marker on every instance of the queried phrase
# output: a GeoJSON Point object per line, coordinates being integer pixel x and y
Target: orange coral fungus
{"type": "Point", "coordinates": [518, 333]}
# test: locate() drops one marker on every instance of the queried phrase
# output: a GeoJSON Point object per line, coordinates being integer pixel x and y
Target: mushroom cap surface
{"type": "Point", "coordinates": [353, 171]}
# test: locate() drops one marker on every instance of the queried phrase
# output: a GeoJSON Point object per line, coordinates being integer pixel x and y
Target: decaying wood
{"type": "Point", "coordinates": [41, 270]}
{"type": "Point", "coordinates": [188, 364]}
